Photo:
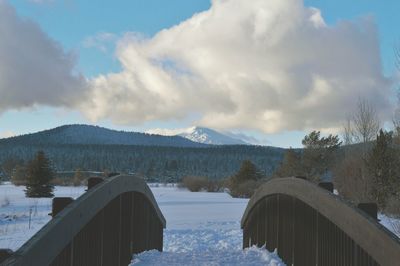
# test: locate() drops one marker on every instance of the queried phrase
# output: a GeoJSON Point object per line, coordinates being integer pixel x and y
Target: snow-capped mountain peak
{"type": "Point", "coordinates": [205, 135]}
{"type": "Point", "coordinates": [209, 136]}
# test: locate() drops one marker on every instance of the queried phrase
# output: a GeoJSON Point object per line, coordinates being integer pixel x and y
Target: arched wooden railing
{"type": "Point", "coordinates": [105, 226]}
{"type": "Point", "coordinates": [309, 225]}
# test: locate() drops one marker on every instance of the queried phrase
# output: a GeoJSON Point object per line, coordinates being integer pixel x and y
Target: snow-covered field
{"type": "Point", "coordinates": [202, 228]}
{"type": "Point", "coordinates": [21, 218]}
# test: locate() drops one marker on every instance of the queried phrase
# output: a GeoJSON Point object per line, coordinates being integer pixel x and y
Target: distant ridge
{"type": "Point", "coordinates": [154, 157]}
{"type": "Point", "coordinates": [87, 134]}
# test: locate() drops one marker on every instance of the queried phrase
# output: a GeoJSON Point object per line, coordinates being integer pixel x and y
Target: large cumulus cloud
{"type": "Point", "coordinates": [270, 65]}
{"type": "Point", "coordinates": [34, 69]}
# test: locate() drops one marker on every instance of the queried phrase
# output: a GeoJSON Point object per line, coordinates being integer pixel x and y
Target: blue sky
{"type": "Point", "coordinates": [76, 24]}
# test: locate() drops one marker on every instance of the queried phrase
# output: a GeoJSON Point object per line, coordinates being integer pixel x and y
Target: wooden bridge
{"type": "Point", "coordinates": [114, 219]}
{"type": "Point", "coordinates": [307, 225]}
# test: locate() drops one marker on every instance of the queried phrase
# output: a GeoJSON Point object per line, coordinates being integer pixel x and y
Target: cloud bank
{"type": "Point", "coordinates": [271, 66]}
{"type": "Point", "coordinates": [34, 69]}
{"type": "Point", "coordinates": [6, 134]}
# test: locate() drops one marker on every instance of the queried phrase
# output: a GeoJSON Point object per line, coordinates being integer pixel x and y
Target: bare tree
{"type": "Point", "coordinates": [348, 134]}
{"type": "Point", "coordinates": [351, 178]}
{"type": "Point", "coordinates": [366, 123]}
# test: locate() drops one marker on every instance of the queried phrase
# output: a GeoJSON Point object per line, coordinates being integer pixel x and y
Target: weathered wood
{"type": "Point", "coordinates": [309, 225]}
{"type": "Point", "coordinates": [5, 254]}
{"type": "Point", "coordinates": [105, 226]}
{"type": "Point", "coordinates": [59, 203]}
{"type": "Point", "coordinates": [93, 181]}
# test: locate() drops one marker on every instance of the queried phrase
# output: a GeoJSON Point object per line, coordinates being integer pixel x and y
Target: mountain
{"type": "Point", "coordinates": [157, 158]}
{"type": "Point", "coordinates": [86, 134]}
{"type": "Point", "coordinates": [210, 136]}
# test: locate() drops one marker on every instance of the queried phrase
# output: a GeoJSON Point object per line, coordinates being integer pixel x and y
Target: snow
{"type": "Point", "coordinates": [202, 228]}
{"type": "Point", "coordinates": [205, 135]}
{"type": "Point", "coordinates": [210, 136]}
{"type": "Point", "coordinates": [391, 223]}
{"type": "Point", "coordinates": [15, 211]}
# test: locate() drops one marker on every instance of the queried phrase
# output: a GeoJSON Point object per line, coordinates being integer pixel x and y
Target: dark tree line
{"type": "Point", "coordinates": [154, 163]}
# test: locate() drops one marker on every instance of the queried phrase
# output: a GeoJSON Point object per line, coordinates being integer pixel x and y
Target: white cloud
{"type": "Point", "coordinates": [101, 41]}
{"type": "Point", "coordinates": [271, 66]}
{"type": "Point", "coordinates": [6, 134]}
{"type": "Point", "coordinates": [34, 69]}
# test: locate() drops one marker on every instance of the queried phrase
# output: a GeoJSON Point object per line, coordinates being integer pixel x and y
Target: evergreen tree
{"type": "Point", "coordinates": [247, 172]}
{"type": "Point", "coordinates": [291, 165]}
{"type": "Point", "coordinates": [39, 175]}
{"type": "Point", "coordinates": [245, 181]}
{"type": "Point", "coordinates": [319, 154]}
{"type": "Point", "coordinates": [383, 165]}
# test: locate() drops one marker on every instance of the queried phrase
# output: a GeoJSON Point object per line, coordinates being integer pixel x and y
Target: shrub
{"type": "Point", "coordinates": [245, 189]}
{"type": "Point", "coordinates": [194, 183]}
{"type": "Point", "coordinates": [352, 180]}
{"type": "Point", "coordinates": [200, 183]}
{"type": "Point", "coordinates": [214, 186]}
{"type": "Point", "coordinates": [245, 181]}
{"type": "Point", "coordinates": [18, 177]}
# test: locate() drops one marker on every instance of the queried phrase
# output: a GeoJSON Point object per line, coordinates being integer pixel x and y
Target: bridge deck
{"type": "Point", "coordinates": [202, 229]}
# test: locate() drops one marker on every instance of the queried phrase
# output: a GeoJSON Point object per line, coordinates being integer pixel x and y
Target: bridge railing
{"type": "Point", "coordinates": [309, 225]}
{"type": "Point", "coordinates": [105, 226]}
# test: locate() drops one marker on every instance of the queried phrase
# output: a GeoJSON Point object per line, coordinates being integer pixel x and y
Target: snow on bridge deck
{"type": "Point", "coordinates": [202, 229]}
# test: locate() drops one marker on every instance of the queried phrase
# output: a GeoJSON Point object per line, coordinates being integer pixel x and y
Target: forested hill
{"type": "Point", "coordinates": [155, 163]}
{"type": "Point", "coordinates": [156, 157]}
{"type": "Point", "coordinates": [85, 134]}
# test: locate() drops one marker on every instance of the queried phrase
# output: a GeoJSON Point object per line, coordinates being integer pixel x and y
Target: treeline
{"type": "Point", "coordinates": [242, 184]}
{"type": "Point", "coordinates": [161, 164]}
{"type": "Point", "coordinates": [364, 168]}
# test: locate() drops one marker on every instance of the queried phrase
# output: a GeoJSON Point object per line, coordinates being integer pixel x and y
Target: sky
{"type": "Point", "coordinates": [273, 70]}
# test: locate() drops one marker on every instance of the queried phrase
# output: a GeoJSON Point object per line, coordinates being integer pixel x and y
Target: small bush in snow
{"type": "Point", "coordinates": [199, 183]}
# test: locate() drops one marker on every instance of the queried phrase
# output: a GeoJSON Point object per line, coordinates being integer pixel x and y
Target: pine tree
{"type": "Point", "coordinates": [291, 165]}
{"type": "Point", "coordinates": [318, 155]}
{"type": "Point", "coordinates": [382, 163]}
{"type": "Point", "coordinates": [248, 171]}
{"type": "Point", "coordinates": [39, 175]}
{"type": "Point", "coordinates": [245, 181]}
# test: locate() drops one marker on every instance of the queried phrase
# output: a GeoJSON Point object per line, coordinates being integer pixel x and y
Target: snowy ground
{"type": "Point", "coordinates": [202, 228]}
{"type": "Point", "coordinates": [393, 224]}
{"type": "Point", "coordinates": [16, 211]}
